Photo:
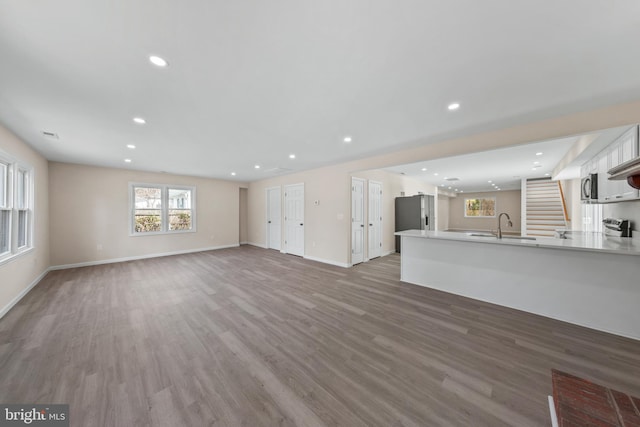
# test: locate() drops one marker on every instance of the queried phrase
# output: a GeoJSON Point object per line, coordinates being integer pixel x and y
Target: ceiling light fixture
{"type": "Point", "coordinates": [127, 160]}
{"type": "Point", "coordinates": [347, 139]}
{"type": "Point", "coordinates": [536, 163]}
{"type": "Point", "coordinates": [453, 106]}
{"type": "Point", "coordinates": [423, 169]}
{"type": "Point", "coordinates": [435, 174]}
{"type": "Point", "coordinates": [292, 156]}
{"type": "Point", "coordinates": [547, 174]}
{"type": "Point", "coordinates": [257, 166]}
{"type": "Point", "coordinates": [139, 120]}
{"type": "Point", "coordinates": [233, 174]}
{"type": "Point", "coordinates": [489, 181]}
{"type": "Point", "coordinates": [131, 146]}
{"type": "Point", "coordinates": [539, 153]}
{"type": "Point", "coordinates": [157, 61]}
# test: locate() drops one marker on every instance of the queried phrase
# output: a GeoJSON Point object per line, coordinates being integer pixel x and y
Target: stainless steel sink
{"type": "Point", "coordinates": [519, 237]}
{"type": "Point", "coordinates": [483, 235]}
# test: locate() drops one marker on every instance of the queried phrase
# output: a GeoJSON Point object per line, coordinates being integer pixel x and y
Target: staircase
{"type": "Point", "coordinates": [545, 207]}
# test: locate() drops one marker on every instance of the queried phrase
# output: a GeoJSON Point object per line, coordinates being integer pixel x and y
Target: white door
{"type": "Point", "coordinates": [357, 220]}
{"type": "Point", "coordinates": [375, 219]}
{"type": "Point", "coordinates": [274, 218]}
{"type": "Point", "coordinates": [294, 219]}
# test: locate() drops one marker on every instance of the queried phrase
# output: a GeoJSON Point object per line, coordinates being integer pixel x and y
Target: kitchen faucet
{"type": "Point", "coordinates": [500, 228]}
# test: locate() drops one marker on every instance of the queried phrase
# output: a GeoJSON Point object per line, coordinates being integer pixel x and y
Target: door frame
{"type": "Point", "coordinates": [285, 248]}
{"type": "Point", "coordinates": [369, 182]}
{"type": "Point", "coordinates": [266, 221]}
{"type": "Point", "coordinates": [364, 218]}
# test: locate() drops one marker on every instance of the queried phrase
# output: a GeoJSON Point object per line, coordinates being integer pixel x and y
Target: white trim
{"type": "Point", "coordinates": [259, 245]}
{"type": "Point", "coordinates": [327, 261]}
{"type": "Point", "coordinates": [133, 258]}
{"type": "Point", "coordinates": [244, 243]}
{"type": "Point", "coordinates": [387, 253]}
{"type": "Point", "coordinates": [164, 209]}
{"type": "Point", "coordinates": [552, 412]}
{"type": "Point", "coordinates": [285, 247]}
{"type": "Point", "coordinates": [267, 236]}
{"type": "Point", "coordinates": [22, 293]}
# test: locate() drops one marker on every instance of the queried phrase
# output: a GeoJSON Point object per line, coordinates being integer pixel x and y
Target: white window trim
{"type": "Point", "coordinates": [495, 207]}
{"type": "Point", "coordinates": [14, 166]}
{"type": "Point", "coordinates": [164, 211]}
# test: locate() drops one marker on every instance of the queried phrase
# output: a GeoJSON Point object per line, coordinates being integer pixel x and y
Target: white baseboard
{"type": "Point", "coordinates": [244, 243]}
{"type": "Point", "coordinates": [260, 245]}
{"type": "Point", "coordinates": [389, 253]}
{"type": "Point", "coordinates": [21, 295]}
{"type": "Point", "coordinates": [133, 258]}
{"type": "Point", "coordinates": [328, 261]}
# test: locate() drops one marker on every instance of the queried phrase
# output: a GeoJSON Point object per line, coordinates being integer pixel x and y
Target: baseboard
{"type": "Point", "coordinates": [24, 292]}
{"type": "Point", "coordinates": [388, 253]}
{"type": "Point", "coordinates": [327, 261]}
{"type": "Point", "coordinates": [137, 257]}
{"type": "Point", "coordinates": [244, 243]}
{"type": "Point", "coordinates": [260, 245]}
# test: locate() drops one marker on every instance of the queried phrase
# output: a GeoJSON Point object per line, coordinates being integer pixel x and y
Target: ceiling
{"type": "Point", "coordinates": [490, 170]}
{"type": "Point", "coordinates": [253, 82]}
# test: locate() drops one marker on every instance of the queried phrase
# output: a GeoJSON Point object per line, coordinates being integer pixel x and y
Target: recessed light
{"type": "Point", "coordinates": [424, 169]}
{"type": "Point", "coordinates": [139, 120]}
{"type": "Point", "coordinates": [449, 188]}
{"type": "Point", "coordinates": [547, 174]}
{"type": "Point", "coordinates": [131, 146]}
{"type": "Point", "coordinates": [462, 191]}
{"type": "Point", "coordinates": [489, 181]}
{"type": "Point", "coordinates": [539, 153]}
{"type": "Point", "coordinates": [156, 60]}
{"type": "Point", "coordinates": [257, 166]}
{"type": "Point", "coordinates": [498, 189]}
{"type": "Point", "coordinates": [292, 156]}
{"type": "Point", "coordinates": [233, 174]}
{"type": "Point", "coordinates": [347, 139]}
{"type": "Point", "coordinates": [453, 106]}
{"type": "Point", "coordinates": [127, 160]}
{"type": "Point", "coordinates": [441, 185]}
{"type": "Point", "coordinates": [435, 174]}
{"type": "Point", "coordinates": [536, 163]}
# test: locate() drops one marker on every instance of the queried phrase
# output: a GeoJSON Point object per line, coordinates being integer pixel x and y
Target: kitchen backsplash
{"type": "Point", "coordinates": [624, 210]}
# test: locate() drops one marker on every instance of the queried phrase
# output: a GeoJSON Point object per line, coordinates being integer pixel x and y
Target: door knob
{"type": "Point", "coordinates": [362, 225]}
{"type": "Point", "coordinates": [269, 222]}
{"type": "Point", "coordinates": [370, 225]}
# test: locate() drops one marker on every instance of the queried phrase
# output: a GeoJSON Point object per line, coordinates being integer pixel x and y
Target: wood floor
{"type": "Point", "coordinates": [251, 337]}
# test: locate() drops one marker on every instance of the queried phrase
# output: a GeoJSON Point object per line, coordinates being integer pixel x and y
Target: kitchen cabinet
{"type": "Point", "coordinates": [623, 149]}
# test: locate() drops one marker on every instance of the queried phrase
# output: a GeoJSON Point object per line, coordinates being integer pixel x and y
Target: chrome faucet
{"type": "Point", "coordinates": [500, 228]}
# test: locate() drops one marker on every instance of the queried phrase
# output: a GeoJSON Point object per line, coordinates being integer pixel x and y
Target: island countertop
{"type": "Point", "coordinates": [591, 242]}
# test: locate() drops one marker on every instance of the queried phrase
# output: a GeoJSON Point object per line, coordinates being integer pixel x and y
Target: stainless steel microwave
{"type": "Point", "coordinates": [589, 188]}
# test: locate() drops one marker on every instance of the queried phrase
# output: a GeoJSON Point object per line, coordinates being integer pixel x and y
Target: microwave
{"type": "Point", "coordinates": [589, 188]}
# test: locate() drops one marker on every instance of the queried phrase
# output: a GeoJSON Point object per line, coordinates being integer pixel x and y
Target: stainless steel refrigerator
{"type": "Point", "coordinates": [414, 213]}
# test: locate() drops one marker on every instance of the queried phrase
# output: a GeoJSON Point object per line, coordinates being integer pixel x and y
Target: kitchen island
{"type": "Point", "coordinates": [589, 279]}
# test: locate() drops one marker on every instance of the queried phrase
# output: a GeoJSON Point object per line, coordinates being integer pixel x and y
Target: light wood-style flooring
{"type": "Point", "coordinates": [251, 337]}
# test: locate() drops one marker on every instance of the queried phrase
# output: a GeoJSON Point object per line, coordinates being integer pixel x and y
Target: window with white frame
{"type": "Point", "coordinates": [161, 208]}
{"type": "Point", "coordinates": [16, 207]}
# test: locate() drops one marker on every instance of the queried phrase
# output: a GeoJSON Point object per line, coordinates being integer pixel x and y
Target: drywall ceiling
{"type": "Point", "coordinates": [253, 82]}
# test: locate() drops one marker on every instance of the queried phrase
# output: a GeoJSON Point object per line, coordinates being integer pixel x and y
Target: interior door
{"type": "Point", "coordinates": [274, 218]}
{"type": "Point", "coordinates": [294, 219]}
{"type": "Point", "coordinates": [357, 220]}
{"type": "Point", "coordinates": [375, 219]}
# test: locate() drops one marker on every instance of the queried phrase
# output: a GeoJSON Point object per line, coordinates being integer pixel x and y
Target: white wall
{"type": "Point", "coordinates": [90, 207]}
{"type": "Point", "coordinates": [17, 275]}
{"type": "Point", "coordinates": [443, 212]}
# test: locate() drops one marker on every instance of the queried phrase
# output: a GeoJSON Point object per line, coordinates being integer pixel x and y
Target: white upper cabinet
{"type": "Point", "coordinates": [623, 149]}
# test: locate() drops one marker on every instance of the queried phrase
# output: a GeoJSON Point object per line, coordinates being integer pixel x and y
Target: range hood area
{"type": "Point", "coordinates": [629, 171]}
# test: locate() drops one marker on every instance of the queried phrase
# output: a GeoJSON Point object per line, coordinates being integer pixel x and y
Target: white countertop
{"type": "Point", "coordinates": [592, 242]}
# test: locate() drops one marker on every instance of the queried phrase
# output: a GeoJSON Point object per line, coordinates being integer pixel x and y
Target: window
{"type": "Point", "coordinates": [16, 207]}
{"type": "Point", "coordinates": [480, 207]}
{"type": "Point", "coordinates": [160, 208]}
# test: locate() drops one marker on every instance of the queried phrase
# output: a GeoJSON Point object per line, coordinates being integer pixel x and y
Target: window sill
{"type": "Point", "coordinates": [161, 233]}
{"type": "Point", "coordinates": [6, 259]}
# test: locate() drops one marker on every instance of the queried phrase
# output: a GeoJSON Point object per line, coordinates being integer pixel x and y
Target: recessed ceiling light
{"type": "Point", "coordinates": [435, 174]}
{"type": "Point", "coordinates": [257, 166]}
{"type": "Point", "coordinates": [139, 120]}
{"type": "Point", "coordinates": [453, 106]}
{"type": "Point", "coordinates": [424, 169]}
{"type": "Point", "coordinates": [441, 185]}
{"type": "Point", "coordinates": [449, 188]}
{"type": "Point", "coordinates": [536, 163]}
{"type": "Point", "coordinates": [547, 174]}
{"type": "Point", "coordinates": [292, 156]}
{"type": "Point", "coordinates": [127, 160]}
{"type": "Point", "coordinates": [539, 153]}
{"type": "Point", "coordinates": [233, 174]}
{"type": "Point", "coordinates": [131, 146]}
{"type": "Point", "coordinates": [156, 60]}
{"type": "Point", "coordinates": [462, 191]}
{"type": "Point", "coordinates": [347, 139]}
{"type": "Point", "coordinates": [489, 181]}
